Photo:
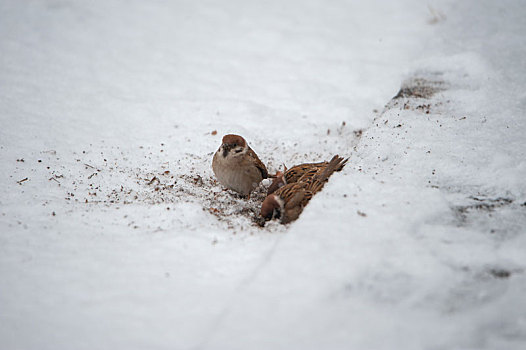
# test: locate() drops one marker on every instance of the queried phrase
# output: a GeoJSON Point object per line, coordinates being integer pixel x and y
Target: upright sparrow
{"type": "Point", "coordinates": [237, 166]}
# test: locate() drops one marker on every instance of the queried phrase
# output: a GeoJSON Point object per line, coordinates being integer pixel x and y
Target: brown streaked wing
{"type": "Point", "coordinates": [259, 164]}
{"type": "Point", "coordinates": [315, 186]}
{"type": "Point", "coordinates": [296, 199]}
{"type": "Point", "coordinates": [309, 175]}
{"type": "Point", "coordinates": [296, 172]}
{"type": "Point", "coordinates": [289, 190]}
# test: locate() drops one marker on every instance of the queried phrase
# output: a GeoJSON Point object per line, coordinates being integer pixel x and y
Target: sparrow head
{"type": "Point", "coordinates": [272, 207]}
{"type": "Point", "coordinates": [278, 182]}
{"type": "Point", "coordinates": [233, 144]}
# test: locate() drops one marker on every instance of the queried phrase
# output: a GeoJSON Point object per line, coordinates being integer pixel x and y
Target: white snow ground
{"type": "Point", "coordinates": [119, 237]}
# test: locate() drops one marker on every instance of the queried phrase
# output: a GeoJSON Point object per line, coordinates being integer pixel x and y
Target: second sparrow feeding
{"type": "Point", "coordinates": [237, 167]}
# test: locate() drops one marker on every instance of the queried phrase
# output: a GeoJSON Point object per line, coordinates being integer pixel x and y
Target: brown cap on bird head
{"type": "Point", "coordinates": [234, 140]}
{"type": "Point", "coordinates": [270, 204]}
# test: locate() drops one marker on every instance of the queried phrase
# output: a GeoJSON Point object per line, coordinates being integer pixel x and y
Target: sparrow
{"type": "Point", "coordinates": [236, 165]}
{"type": "Point", "coordinates": [297, 172]}
{"type": "Point", "coordinates": [288, 201]}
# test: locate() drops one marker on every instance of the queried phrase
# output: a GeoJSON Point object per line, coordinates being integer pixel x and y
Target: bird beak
{"type": "Point", "coordinates": [226, 149]}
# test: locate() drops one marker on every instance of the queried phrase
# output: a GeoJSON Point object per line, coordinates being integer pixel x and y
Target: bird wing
{"type": "Point", "coordinates": [296, 172]}
{"type": "Point", "coordinates": [294, 197]}
{"type": "Point", "coordinates": [291, 193]}
{"type": "Point", "coordinates": [259, 164]}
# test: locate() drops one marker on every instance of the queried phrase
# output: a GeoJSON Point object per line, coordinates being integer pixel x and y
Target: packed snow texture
{"type": "Point", "coordinates": [114, 233]}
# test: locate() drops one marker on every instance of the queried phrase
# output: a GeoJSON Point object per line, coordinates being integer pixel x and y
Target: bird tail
{"type": "Point", "coordinates": [341, 163]}
{"type": "Point", "coordinates": [336, 164]}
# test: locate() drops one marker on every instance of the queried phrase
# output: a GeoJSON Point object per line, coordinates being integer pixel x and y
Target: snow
{"type": "Point", "coordinates": [120, 238]}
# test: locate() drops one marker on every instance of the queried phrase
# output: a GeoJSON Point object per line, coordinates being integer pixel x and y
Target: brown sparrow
{"type": "Point", "coordinates": [237, 167]}
{"type": "Point", "coordinates": [294, 174]}
{"type": "Point", "coordinates": [288, 201]}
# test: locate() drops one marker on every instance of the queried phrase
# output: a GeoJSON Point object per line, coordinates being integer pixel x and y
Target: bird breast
{"type": "Point", "coordinates": [236, 172]}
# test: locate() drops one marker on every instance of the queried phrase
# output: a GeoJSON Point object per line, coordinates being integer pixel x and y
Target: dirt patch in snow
{"type": "Point", "coordinates": [421, 87]}
{"type": "Point", "coordinates": [102, 176]}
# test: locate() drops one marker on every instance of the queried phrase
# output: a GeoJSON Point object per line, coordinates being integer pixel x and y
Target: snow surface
{"type": "Point", "coordinates": [121, 238]}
